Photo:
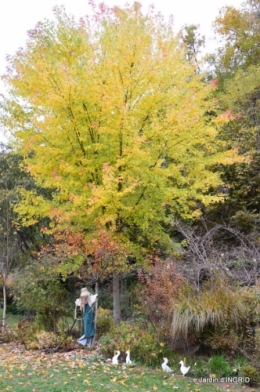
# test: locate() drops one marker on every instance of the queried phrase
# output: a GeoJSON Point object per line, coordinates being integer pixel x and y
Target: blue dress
{"type": "Point", "coordinates": [89, 327]}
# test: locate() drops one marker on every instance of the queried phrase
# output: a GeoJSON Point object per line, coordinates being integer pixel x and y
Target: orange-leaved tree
{"type": "Point", "coordinates": [93, 259]}
{"type": "Point", "coordinates": [109, 114]}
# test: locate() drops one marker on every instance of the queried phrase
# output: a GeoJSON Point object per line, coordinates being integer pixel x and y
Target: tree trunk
{"type": "Point", "coordinates": [4, 307]}
{"type": "Point", "coordinates": [116, 298]}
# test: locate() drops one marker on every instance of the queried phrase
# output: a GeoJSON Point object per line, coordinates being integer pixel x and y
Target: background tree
{"type": "Point", "coordinates": [236, 72]}
{"type": "Point", "coordinates": [194, 43]}
{"type": "Point", "coordinates": [42, 292]}
{"type": "Point", "coordinates": [8, 232]}
{"type": "Point", "coordinates": [13, 242]}
{"type": "Point", "coordinates": [110, 114]}
{"type": "Point", "coordinates": [18, 244]}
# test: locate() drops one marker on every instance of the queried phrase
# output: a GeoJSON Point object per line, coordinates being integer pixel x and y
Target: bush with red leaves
{"type": "Point", "coordinates": [160, 289]}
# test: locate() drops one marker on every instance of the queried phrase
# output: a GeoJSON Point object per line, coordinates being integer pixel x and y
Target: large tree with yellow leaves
{"type": "Point", "coordinates": [109, 114]}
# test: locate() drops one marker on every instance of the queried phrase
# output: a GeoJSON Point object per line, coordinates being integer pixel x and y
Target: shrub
{"type": "Point", "coordinates": [157, 293]}
{"type": "Point", "coordinates": [222, 338]}
{"type": "Point", "coordinates": [48, 340]}
{"type": "Point", "coordinates": [142, 344]}
{"type": "Point", "coordinates": [41, 291]}
{"type": "Point", "coordinates": [26, 331]}
{"type": "Point", "coordinates": [44, 339]}
{"type": "Point", "coordinates": [252, 373]}
{"type": "Point", "coordinates": [32, 337]}
{"type": "Point", "coordinates": [9, 335]}
{"type": "Point", "coordinates": [13, 309]}
{"type": "Point", "coordinates": [105, 321]}
{"type": "Point", "coordinates": [64, 340]}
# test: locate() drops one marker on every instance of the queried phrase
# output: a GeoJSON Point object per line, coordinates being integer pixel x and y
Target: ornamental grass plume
{"type": "Point", "coordinates": [211, 306]}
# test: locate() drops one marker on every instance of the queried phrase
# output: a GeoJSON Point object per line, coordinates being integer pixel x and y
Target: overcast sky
{"type": "Point", "coordinates": [19, 16]}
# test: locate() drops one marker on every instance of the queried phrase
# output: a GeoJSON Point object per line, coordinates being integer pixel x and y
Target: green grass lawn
{"type": "Point", "coordinates": [11, 319]}
{"type": "Point", "coordinates": [84, 371]}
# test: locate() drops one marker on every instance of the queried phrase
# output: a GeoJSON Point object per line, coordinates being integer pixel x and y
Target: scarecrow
{"type": "Point", "coordinates": [86, 302]}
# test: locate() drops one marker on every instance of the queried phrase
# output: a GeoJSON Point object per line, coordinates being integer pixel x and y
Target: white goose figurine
{"type": "Point", "coordinates": [184, 369]}
{"type": "Point", "coordinates": [165, 367]}
{"type": "Point", "coordinates": [128, 360]}
{"type": "Point", "coordinates": [115, 358]}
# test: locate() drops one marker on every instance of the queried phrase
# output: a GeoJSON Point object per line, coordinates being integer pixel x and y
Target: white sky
{"type": "Point", "coordinates": [19, 16]}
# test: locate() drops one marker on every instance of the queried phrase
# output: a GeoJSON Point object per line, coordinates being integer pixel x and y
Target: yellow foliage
{"type": "Point", "coordinates": [110, 115]}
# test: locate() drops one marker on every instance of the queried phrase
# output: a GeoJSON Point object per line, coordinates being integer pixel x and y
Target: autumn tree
{"type": "Point", "coordinates": [237, 73]}
{"type": "Point", "coordinates": [109, 113]}
{"type": "Point", "coordinates": [12, 241]}
{"type": "Point", "coordinates": [193, 42]}
{"type": "Point", "coordinates": [93, 259]}
{"type": "Point", "coordinates": [238, 30]}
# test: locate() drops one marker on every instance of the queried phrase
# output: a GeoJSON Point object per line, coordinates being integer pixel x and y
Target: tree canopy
{"type": "Point", "coordinates": [236, 66]}
{"type": "Point", "coordinates": [109, 113]}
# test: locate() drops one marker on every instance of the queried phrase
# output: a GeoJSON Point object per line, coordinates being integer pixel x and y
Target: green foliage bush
{"type": "Point", "coordinates": [142, 344]}
{"type": "Point", "coordinates": [13, 309]}
{"type": "Point", "coordinates": [41, 291]}
{"type": "Point", "coordinates": [252, 373]}
{"type": "Point", "coordinates": [105, 321]}
{"type": "Point", "coordinates": [65, 340]}
{"type": "Point", "coordinates": [105, 298]}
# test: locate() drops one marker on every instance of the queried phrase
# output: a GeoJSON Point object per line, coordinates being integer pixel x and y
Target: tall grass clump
{"type": "Point", "coordinates": [213, 307]}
